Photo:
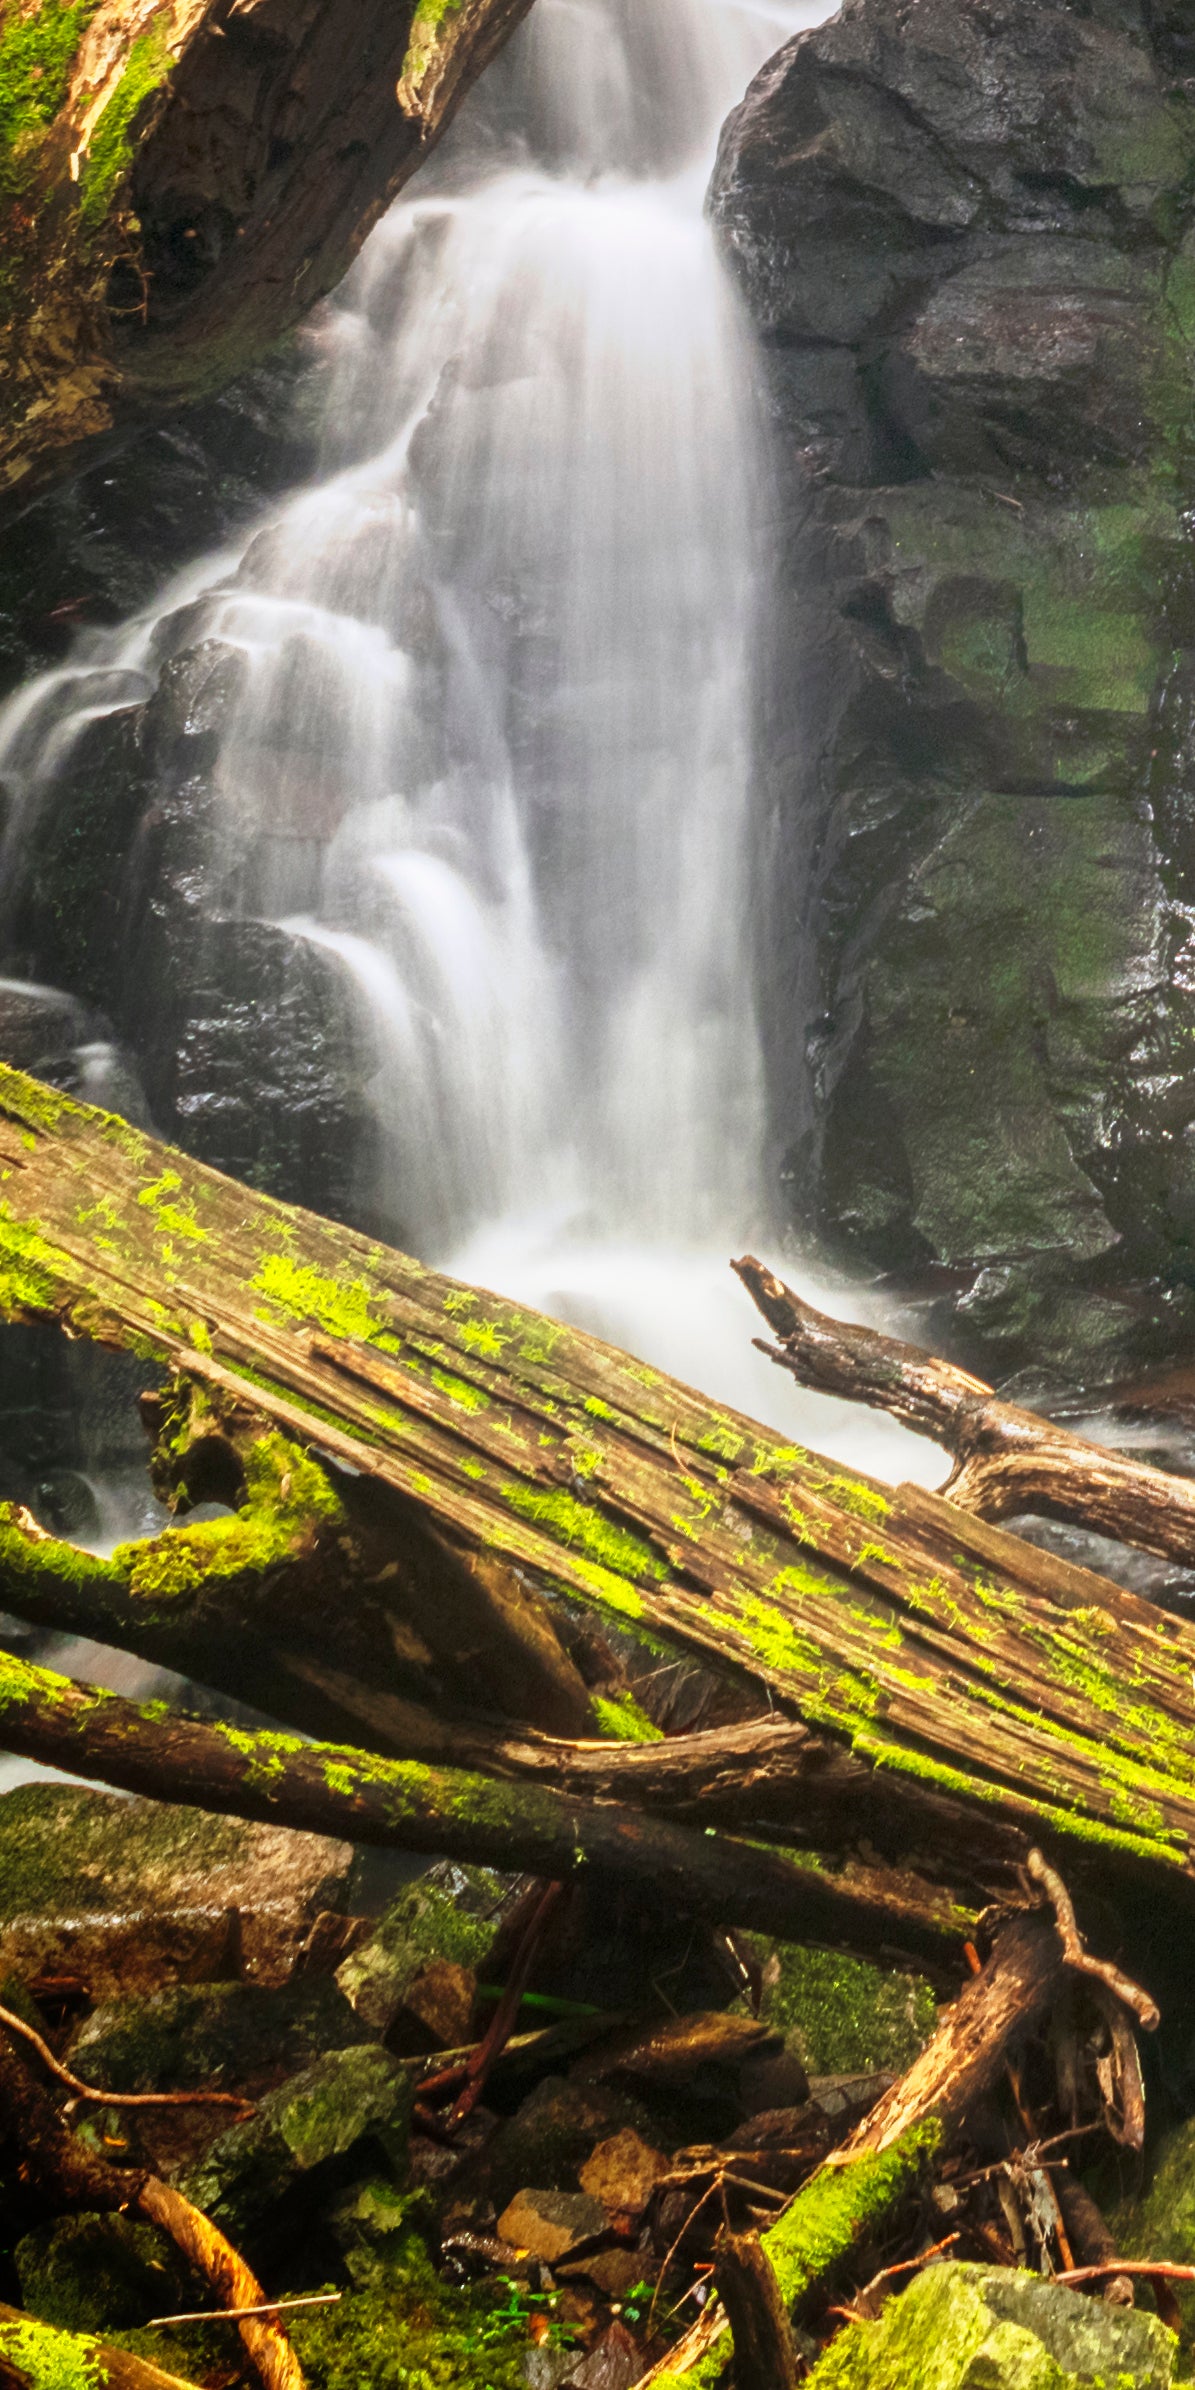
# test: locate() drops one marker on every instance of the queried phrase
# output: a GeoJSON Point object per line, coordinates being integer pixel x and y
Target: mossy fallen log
{"type": "Point", "coordinates": [181, 180]}
{"type": "Point", "coordinates": [339, 1789]}
{"type": "Point", "coordinates": [561, 1478]}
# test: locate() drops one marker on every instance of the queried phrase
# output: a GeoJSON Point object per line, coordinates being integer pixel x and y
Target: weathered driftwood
{"type": "Point", "coordinates": [450, 1477]}
{"type": "Point", "coordinates": [1006, 1460]}
{"type": "Point", "coordinates": [866, 2180]}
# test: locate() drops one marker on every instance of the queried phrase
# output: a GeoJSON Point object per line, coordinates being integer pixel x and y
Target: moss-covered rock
{"type": "Point", "coordinates": [961, 2327]}
{"type": "Point", "coordinates": [840, 2015]}
{"type": "Point", "coordinates": [352, 2104]}
{"type": "Point", "coordinates": [1162, 2223]}
{"type": "Point", "coordinates": [431, 1919]}
{"type": "Point", "coordinates": [100, 2274]}
{"type": "Point", "coordinates": [133, 1894]}
{"type": "Point", "coordinates": [212, 2036]}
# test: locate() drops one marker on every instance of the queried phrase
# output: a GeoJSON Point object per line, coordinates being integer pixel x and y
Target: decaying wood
{"type": "Point", "coordinates": [1006, 1460]}
{"type": "Point", "coordinates": [340, 1790]}
{"type": "Point", "coordinates": [865, 2180]}
{"type": "Point", "coordinates": [294, 128]}
{"type": "Point", "coordinates": [37, 2356]}
{"type": "Point", "coordinates": [765, 2357]}
{"type": "Point", "coordinates": [951, 1658]}
{"type": "Point", "coordinates": [69, 2176]}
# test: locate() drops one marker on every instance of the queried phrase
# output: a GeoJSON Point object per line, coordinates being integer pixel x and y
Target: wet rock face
{"type": "Point", "coordinates": [966, 238]}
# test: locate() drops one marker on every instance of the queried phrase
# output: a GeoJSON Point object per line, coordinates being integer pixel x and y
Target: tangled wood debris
{"type": "Point", "coordinates": [907, 1735]}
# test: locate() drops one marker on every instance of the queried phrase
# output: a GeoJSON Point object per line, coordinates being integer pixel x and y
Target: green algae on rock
{"type": "Point", "coordinates": [131, 1893]}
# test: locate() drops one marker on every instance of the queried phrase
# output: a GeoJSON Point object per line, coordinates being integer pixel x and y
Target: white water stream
{"type": "Point", "coordinates": [491, 741]}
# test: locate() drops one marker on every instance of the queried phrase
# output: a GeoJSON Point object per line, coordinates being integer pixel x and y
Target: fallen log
{"type": "Point", "coordinates": [404, 1448]}
{"type": "Point", "coordinates": [341, 1790]}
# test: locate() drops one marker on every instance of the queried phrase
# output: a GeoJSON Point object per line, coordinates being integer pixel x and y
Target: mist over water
{"type": "Point", "coordinates": [488, 742]}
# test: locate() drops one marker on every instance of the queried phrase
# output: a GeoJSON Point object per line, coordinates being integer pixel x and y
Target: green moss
{"type": "Point", "coordinates": [623, 1721]}
{"type": "Point", "coordinates": [51, 2360]}
{"type": "Point", "coordinates": [37, 53]}
{"type": "Point", "coordinates": [483, 1337]}
{"type": "Point", "coordinates": [571, 1522]}
{"type": "Point", "coordinates": [459, 1391]}
{"type": "Point", "coordinates": [843, 2016]}
{"type": "Point", "coordinates": [344, 1307]}
{"type": "Point", "coordinates": [838, 2206]}
{"type": "Point", "coordinates": [25, 1560]}
{"type": "Point", "coordinates": [110, 149]}
{"type": "Point", "coordinates": [956, 2327]}
{"type": "Point", "coordinates": [407, 2331]}
{"type": "Point", "coordinates": [822, 2226]}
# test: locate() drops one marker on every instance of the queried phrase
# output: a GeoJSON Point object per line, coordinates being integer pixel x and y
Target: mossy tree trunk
{"type": "Point", "coordinates": [181, 180]}
{"type": "Point", "coordinates": [415, 1459]}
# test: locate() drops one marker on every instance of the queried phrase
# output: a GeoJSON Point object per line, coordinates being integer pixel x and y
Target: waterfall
{"type": "Point", "coordinates": [485, 733]}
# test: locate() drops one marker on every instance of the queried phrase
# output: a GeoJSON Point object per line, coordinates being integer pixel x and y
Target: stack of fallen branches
{"type": "Point", "coordinates": [590, 1626]}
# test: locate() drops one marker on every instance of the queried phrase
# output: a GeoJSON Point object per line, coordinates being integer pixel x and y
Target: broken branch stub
{"type": "Point", "coordinates": [1006, 1460]}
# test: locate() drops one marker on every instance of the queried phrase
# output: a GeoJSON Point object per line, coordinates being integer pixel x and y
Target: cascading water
{"type": "Point", "coordinates": [485, 732]}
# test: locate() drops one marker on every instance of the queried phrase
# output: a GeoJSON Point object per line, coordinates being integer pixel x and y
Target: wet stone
{"type": "Point", "coordinates": [355, 2101]}
{"type": "Point", "coordinates": [963, 2327]}
{"type": "Point", "coordinates": [551, 2224]}
{"type": "Point", "coordinates": [623, 2172]}
{"type": "Point", "coordinates": [615, 2364]}
{"type": "Point", "coordinates": [129, 1896]}
{"type": "Point", "coordinates": [430, 1923]}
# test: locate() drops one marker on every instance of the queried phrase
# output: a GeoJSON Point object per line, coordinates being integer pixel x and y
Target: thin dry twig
{"type": "Point", "coordinates": [1145, 2009]}
{"type": "Point", "coordinates": [119, 2099]}
{"type": "Point", "coordinates": [1162, 2267]}
{"type": "Point", "coordinates": [233, 2315]}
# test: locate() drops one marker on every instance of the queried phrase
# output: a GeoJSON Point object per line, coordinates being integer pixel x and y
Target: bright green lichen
{"type": "Point", "coordinates": [467, 1397]}
{"type": "Point", "coordinates": [573, 1522]}
{"type": "Point", "coordinates": [482, 1337]}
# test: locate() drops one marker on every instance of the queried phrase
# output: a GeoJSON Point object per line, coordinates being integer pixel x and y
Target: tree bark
{"type": "Point", "coordinates": [764, 2354]}
{"type": "Point", "coordinates": [179, 191]}
{"type": "Point", "coordinates": [945, 1653]}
